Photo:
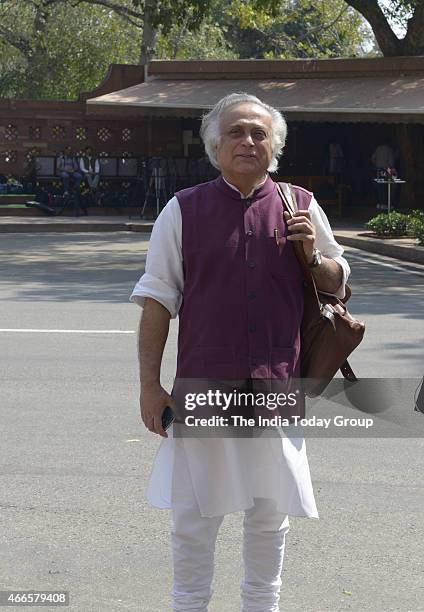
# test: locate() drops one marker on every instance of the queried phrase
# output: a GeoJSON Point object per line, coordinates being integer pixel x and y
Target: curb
{"type": "Point", "coordinates": [414, 254]}
{"type": "Point", "coordinates": [19, 228]}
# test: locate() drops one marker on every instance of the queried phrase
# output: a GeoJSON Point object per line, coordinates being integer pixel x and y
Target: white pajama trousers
{"type": "Point", "coordinates": [193, 547]}
{"type": "Point", "coordinates": [193, 540]}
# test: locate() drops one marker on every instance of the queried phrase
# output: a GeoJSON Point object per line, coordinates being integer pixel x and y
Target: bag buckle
{"type": "Point", "coordinates": [327, 311]}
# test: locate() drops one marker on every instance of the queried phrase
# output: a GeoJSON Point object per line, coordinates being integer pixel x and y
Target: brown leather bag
{"type": "Point", "coordinates": [329, 333]}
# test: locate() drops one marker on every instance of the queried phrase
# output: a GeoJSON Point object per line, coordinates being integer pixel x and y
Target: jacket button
{"type": "Point", "coordinates": [252, 295]}
{"type": "Point", "coordinates": [251, 264]}
{"type": "Point", "coordinates": [249, 233]}
{"type": "Point", "coordinates": [252, 327]}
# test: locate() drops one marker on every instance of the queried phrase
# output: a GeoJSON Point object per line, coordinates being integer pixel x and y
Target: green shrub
{"type": "Point", "coordinates": [389, 224]}
{"type": "Point", "coordinates": [419, 231]}
{"type": "Point", "coordinates": [413, 226]}
{"type": "Point", "coordinates": [417, 214]}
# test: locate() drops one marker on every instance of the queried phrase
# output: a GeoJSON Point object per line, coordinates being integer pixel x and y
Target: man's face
{"type": "Point", "coordinates": [245, 143]}
{"type": "Point", "coordinates": [68, 151]}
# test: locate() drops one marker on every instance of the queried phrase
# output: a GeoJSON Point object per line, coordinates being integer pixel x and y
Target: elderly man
{"type": "Point", "coordinates": [214, 260]}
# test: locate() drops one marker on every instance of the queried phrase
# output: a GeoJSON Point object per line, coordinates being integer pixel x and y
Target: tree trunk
{"type": "Point", "coordinates": [38, 57]}
{"type": "Point", "coordinates": [390, 45]}
{"type": "Point", "coordinates": [413, 43]}
{"type": "Point", "coordinates": [148, 40]}
{"type": "Point", "coordinates": [387, 40]}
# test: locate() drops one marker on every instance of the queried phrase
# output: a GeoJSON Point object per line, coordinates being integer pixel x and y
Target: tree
{"type": "Point", "coordinates": [384, 17]}
{"type": "Point", "coordinates": [407, 13]}
{"type": "Point", "coordinates": [56, 48]}
{"type": "Point", "coordinates": [49, 51]}
{"type": "Point", "coordinates": [151, 15]}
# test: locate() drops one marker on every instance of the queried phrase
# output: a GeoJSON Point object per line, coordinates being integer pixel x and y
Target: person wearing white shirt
{"type": "Point", "coordinates": [90, 167]}
{"type": "Point", "coordinates": [383, 157]}
{"type": "Point", "coordinates": [384, 160]}
{"type": "Point", "coordinates": [226, 226]}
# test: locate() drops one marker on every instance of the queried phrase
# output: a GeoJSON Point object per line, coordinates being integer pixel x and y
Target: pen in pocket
{"type": "Point", "coordinates": [279, 240]}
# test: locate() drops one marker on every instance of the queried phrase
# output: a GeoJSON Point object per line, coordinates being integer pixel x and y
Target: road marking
{"type": "Point", "coordinates": [68, 331]}
{"type": "Point", "coordinates": [386, 264]}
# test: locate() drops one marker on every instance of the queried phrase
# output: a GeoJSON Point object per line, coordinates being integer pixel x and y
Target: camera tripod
{"type": "Point", "coordinates": [157, 186]}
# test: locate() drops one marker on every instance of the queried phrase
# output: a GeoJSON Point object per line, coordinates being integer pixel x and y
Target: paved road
{"type": "Point", "coordinates": [74, 459]}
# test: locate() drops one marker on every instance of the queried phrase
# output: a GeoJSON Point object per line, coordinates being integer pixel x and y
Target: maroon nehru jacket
{"type": "Point", "coordinates": [243, 301]}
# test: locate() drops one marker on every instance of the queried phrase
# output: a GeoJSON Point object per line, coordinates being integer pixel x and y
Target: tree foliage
{"type": "Point", "coordinates": [244, 29]}
{"type": "Point", "coordinates": [57, 53]}
{"type": "Point", "coordinates": [208, 42]}
{"type": "Point", "coordinates": [57, 48]}
{"type": "Point", "coordinates": [297, 29]}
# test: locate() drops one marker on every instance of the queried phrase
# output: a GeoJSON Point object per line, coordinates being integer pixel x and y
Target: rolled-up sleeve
{"type": "Point", "coordinates": [326, 243]}
{"type": "Point", "coordinates": [163, 277]}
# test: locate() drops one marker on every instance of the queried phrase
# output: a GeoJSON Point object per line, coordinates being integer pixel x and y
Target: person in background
{"type": "Point", "coordinates": [68, 168]}
{"type": "Point", "coordinates": [336, 159]}
{"type": "Point", "coordinates": [384, 160]}
{"type": "Point", "coordinates": [32, 167]}
{"type": "Point", "coordinates": [383, 157]}
{"type": "Point", "coordinates": [90, 168]}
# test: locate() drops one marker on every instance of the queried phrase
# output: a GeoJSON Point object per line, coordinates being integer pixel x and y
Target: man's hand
{"type": "Point", "coordinates": [302, 228]}
{"type": "Point", "coordinates": [328, 275]}
{"type": "Point", "coordinates": [153, 331]}
{"type": "Point", "coordinates": [153, 400]}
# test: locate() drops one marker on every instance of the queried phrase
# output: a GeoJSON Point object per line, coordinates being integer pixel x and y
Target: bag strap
{"type": "Point", "coordinates": [288, 198]}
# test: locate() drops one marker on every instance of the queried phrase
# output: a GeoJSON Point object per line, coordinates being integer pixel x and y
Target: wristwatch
{"type": "Point", "coordinates": [316, 259]}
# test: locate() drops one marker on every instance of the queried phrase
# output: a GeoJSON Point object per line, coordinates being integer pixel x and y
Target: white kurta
{"type": "Point", "coordinates": [226, 473]}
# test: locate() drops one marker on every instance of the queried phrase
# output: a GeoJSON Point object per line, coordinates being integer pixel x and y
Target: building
{"type": "Point", "coordinates": [338, 111]}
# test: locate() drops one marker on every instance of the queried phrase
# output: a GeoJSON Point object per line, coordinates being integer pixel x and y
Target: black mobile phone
{"type": "Point", "coordinates": [167, 418]}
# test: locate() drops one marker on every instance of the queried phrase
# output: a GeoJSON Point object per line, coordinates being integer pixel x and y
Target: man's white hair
{"type": "Point", "coordinates": [210, 133]}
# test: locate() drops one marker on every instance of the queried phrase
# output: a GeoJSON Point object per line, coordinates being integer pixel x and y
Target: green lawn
{"type": "Point", "coordinates": [13, 206]}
